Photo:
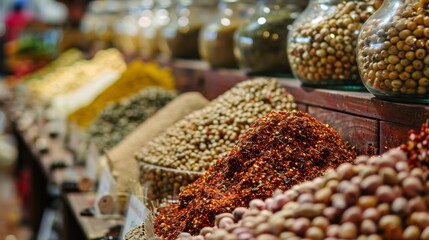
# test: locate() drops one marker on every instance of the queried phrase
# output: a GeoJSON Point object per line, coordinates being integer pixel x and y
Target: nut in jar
{"type": "Point", "coordinates": [322, 42]}
{"type": "Point", "coordinates": [392, 51]}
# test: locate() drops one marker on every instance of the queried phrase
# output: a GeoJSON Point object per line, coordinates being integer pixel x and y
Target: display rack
{"type": "Point", "coordinates": [370, 124]}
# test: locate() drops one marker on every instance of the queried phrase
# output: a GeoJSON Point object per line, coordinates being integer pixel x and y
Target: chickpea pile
{"type": "Point", "coordinates": [324, 53]}
{"type": "Point", "coordinates": [197, 141]}
{"type": "Point", "coordinates": [379, 198]}
{"type": "Point", "coordinates": [393, 55]}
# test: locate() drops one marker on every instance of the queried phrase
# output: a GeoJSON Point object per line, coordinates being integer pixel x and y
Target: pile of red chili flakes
{"type": "Point", "coordinates": [278, 151]}
{"type": "Point", "coordinates": [417, 147]}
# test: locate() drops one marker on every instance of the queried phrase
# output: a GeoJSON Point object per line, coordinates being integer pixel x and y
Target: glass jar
{"type": "Point", "coordinates": [92, 16]}
{"type": "Point", "coordinates": [152, 23]}
{"type": "Point", "coordinates": [127, 30]}
{"type": "Point", "coordinates": [99, 21]}
{"type": "Point", "coordinates": [260, 41]}
{"type": "Point", "coordinates": [322, 43]}
{"type": "Point", "coordinates": [179, 39]}
{"type": "Point", "coordinates": [216, 40]}
{"type": "Point", "coordinates": [393, 51]}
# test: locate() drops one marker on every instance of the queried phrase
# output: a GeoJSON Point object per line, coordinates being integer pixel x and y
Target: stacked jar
{"type": "Point", "coordinates": [322, 42]}
{"type": "Point", "coordinates": [98, 22]}
{"type": "Point", "coordinates": [260, 41]}
{"type": "Point", "coordinates": [152, 23]}
{"type": "Point", "coordinates": [127, 29]}
{"type": "Point", "coordinates": [179, 39]}
{"type": "Point", "coordinates": [88, 23]}
{"type": "Point", "coordinates": [393, 51]}
{"type": "Point", "coordinates": [217, 37]}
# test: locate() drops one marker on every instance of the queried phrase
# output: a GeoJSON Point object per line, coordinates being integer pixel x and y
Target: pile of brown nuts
{"type": "Point", "coordinates": [393, 55]}
{"type": "Point", "coordinates": [194, 143]}
{"type": "Point", "coordinates": [324, 53]}
{"type": "Point", "coordinates": [379, 198]}
{"type": "Point", "coordinates": [119, 119]}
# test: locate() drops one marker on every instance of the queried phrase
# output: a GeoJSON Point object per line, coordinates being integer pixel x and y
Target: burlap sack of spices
{"type": "Point", "coordinates": [125, 167]}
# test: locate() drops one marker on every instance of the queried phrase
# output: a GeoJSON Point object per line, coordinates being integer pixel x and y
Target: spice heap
{"type": "Point", "coordinates": [72, 77]}
{"type": "Point", "coordinates": [324, 53]}
{"type": "Point", "coordinates": [120, 119]}
{"type": "Point", "coordinates": [278, 151]}
{"type": "Point", "coordinates": [379, 198]}
{"type": "Point", "coordinates": [393, 55]}
{"type": "Point", "coordinates": [66, 58]}
{"type": "Point", "coordinates": [194, 143]}
{"type": "Point", "coordinates": [417, 148]}
{"type": "Point", "coordinates": [137, 76]}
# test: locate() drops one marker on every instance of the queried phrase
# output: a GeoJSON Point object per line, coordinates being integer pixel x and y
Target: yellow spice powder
{"type": "Point", "coordinates": [137, 76]}
{"type": "Point", "coordinates": [66, 58]}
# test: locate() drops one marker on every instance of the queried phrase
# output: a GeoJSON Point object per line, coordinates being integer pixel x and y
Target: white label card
{"type": "Point", "coordinates": [91, 163]}
{"type": "Point", "coordinates": [74, 138]}
{"type": "Point", "coordinates": [136, 214]}
{"type": "Point", "coordinates": [106, 186]}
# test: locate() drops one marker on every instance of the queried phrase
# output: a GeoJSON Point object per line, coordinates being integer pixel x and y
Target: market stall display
{"type": "Point", "coordinates": [134, 122]}
{"type": "Point", "coordinates": [191, 146]}
{"type": "Point", "coordinates": [137, 76]}
{"type": "Point", "coordinates": [118, 120]}
{"type": "Point", "coordinates": [392, 51]}
{"type": "Point", "coordinates": [279, 150]}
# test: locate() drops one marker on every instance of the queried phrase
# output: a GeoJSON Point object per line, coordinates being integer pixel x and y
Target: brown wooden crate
{"type": "Point", "coordinates": [361, 132]}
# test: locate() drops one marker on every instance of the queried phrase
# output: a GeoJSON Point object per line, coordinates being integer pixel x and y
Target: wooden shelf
{"type": "Point", "coordinates": [372, 125]}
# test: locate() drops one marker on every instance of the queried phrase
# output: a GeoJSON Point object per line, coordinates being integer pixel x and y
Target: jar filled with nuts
{"type": "Point", "coordinates": [217, 36]}
{"type": "Point", "coordinates": [322, 42]}
{"type": "Point", "coordinates": [260, 40]}
{"type": "Point", "coordinates": [393, 51]}
{"type": "Point", "coordinates": [179, 39]}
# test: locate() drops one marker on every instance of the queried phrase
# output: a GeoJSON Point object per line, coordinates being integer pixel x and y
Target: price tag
{"type": "Point", "coordinates": [91, 164]}
{"type": "Point", "coordinates": [106, 192]}
{"type": "Point", "coordinates": [74, 137]}
{"type": "Point", "coordinates": [46, 230]}
{"type": "Point", "coordinates": [136, 214]}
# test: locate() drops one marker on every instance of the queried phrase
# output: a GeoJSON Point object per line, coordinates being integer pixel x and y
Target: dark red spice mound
{"type": "Point", "coordinates": [417, 148]}
{"type": "Point", "coordinates": [278, 151]}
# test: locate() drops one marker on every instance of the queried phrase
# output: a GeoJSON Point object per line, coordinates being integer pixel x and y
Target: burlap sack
{"type": "Point", "coordinates": [125, 168]}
